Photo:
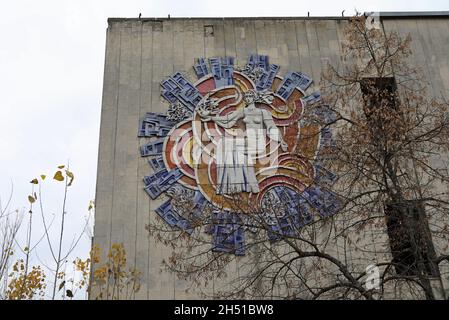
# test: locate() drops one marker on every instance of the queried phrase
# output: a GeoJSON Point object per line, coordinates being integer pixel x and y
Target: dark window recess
{"type": "Point", "coordinates": [410, 239]}
{"type": "Point", "coordinates": [380, 103]}
{"type": "Point", "coordinates": [208, 30]}
{"type": "Point", "coordinates": [378, 93]}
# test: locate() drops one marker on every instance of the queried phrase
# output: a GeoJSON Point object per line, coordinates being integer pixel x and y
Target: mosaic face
{"type": "Point", "coordinates": [238, 133]}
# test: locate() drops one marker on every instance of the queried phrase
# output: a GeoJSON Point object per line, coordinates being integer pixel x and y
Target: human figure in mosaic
{"type": "Point", "coordinates": [235, 156]}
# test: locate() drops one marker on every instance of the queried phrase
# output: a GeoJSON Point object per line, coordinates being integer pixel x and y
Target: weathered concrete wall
{"type": "Point", "coordinates": [430, 44]}
{"type": "Point", "coordinates": [141, 53]}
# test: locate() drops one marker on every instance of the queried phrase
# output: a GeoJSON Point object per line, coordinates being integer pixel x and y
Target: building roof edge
{"type": "Point", "coordinates": [381, 14]}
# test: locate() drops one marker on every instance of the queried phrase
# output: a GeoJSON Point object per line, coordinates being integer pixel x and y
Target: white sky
{"type": "Point", "coordinates": [51, 73]}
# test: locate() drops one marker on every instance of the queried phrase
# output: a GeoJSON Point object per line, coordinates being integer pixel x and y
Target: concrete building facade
{"type": "Point", "coordinates": [142, 53]}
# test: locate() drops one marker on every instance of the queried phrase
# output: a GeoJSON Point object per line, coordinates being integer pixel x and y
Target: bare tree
{"type": "Point", "coordinates": [387, 233]}
{"type": "Point", "coordinates": [59, 255]}
{"type": "Point", "coordinates": [22, 280]}
{"type": "Point", "coordinates": [10, 221]}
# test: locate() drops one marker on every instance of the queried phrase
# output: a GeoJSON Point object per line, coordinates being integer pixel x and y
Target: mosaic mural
{"type": "Point", "coordinates": [239, 133]}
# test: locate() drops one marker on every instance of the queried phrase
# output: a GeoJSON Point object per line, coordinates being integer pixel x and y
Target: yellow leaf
{"type": "Point", "coordinates": [58, 176]}
{"type": "Point", "coordinates": [70, 175]}
{"type": "Point", "coordinates": [31, 199]}
{"type": "Point", "coordinates": [61, 166]}
{"type": "Point", "coordinates": [43, 176]}
{"type": "Point", "coordinates": [34, 181]}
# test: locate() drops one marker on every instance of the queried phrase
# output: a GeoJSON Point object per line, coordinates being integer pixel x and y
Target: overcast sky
{"type": "Point", "coordinates": [51, 73]}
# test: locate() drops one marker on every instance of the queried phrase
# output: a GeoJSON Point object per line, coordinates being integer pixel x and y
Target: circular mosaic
{"type": "Point", "coordinates": [236, 140]}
